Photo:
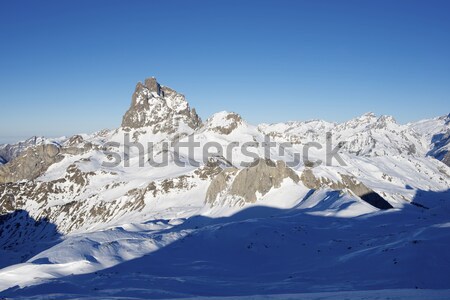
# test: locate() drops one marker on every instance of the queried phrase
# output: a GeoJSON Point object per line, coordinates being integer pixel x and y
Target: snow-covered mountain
{"type": "Point", "coordinates": [437, 135]}
{"type": "Point", "coordinates": [88, 215]}
{"type": "Point", "coordinates": [367, 135]}
{"type": "Point", "coordinates": [160, 109]}
{"type": "Point", "coordinates": [11, 151]}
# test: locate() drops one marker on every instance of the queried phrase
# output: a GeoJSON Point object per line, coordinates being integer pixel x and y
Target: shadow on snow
{"type": "Point", "coordinates": [262, 250]}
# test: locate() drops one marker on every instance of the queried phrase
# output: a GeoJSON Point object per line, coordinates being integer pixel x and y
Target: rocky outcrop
{"type": "Point", "coordinates": [446, 158]}
{"type": "Point", "coordinates": [440, 147]}
{"type": "Point", "coordinates": [30, 164]}
{"type": "Point", "coordinates": [35, 160]}
{"type": "Point", "coordinates": [348, 182]}
{"type": "Point", "coordinates": [220, 185]}
{"type": "Point", "coordinates": [160, 108]}
{"type": "Point", "coordinates": [76, 145]}
{"type": "Point", "coordinates": [10, 151]}
{"type": "Point", "coordinates": [223, 122]}
{"type": "Point", "coordinates": [70, 202]}
{"type": "Point", "coordinates": [247, 184]}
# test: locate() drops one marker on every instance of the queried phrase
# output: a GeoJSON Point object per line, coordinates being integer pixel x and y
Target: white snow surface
{"type": "Point", "coordinates": [292, 243]}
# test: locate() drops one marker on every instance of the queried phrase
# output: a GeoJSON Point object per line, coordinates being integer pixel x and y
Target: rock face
{"type": "Point", "coordinates": [446, 159]}
{"type": "Point", "coordinates": [31, 163]}
{"type": "Point", "coordinates": [441, 147]}
{"type": "Point", "coordinates": [160, 108]}
{"type": "Point", "coordinates": [76, 145]}
{"type": "Point", "coordinates": [246, 184]}
{"type": "Point", "coordinates": [220, 184]}
{"type": "Point", "coordinates": [69, 198]}
{"type": "Point", "coordinates": [81, 192]}
{"type": "Point", "coordinates": [10, 151]}
{"type": "Point", "coordinates": [348, 182]}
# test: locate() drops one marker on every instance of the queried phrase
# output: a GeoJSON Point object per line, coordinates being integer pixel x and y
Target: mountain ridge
{"type": "Point", "coordinates": [114, 209]}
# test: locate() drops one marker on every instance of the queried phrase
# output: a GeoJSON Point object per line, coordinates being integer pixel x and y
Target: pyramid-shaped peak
{"type": "Point", "coordinates": [159, 107]}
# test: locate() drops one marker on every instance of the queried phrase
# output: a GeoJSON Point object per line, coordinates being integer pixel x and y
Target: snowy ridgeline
{"type": "Point", "coordinates": [376, 226]}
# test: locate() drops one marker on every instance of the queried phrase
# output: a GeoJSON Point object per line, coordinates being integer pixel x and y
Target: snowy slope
{"type": "Point", "coordinates": [259, 250]}
{"type": "Point", "coordinates": [84, 227]}
{"type": "Point", "coordinates": [437, 133]}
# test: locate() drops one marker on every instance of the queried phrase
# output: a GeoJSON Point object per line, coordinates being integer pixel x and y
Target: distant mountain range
{"type": "Point", "coordinates": [374, 219]}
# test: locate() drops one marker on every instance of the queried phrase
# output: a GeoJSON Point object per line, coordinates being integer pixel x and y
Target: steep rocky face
{"type": "Point", "coordinates": [73, 200]}
{"type": "Point", "coordinates": [80, 192]}
{"type": "Point", "coordinates": [348, 182]}
{"type": "Point", "coordinates": [10, 151]}
{"type": "Point", "coordinates": [220, 185]}
{"type": "Point", "coordinates": [35, 160]}
{"type": "Point", "coordinates": [440, 147]}
{"type": "Point", "coordinates": [245, 185]}
{"type": "Point", "coordinates": [446, 158]}
{"type": "Point", "coordinates": [31, 163]}
{"type": "Point", "coordinates": [76, 145]}
{"type": "Point", "coordinates": [437, 133]}
{"type": "Point", "coordinates": [160, 108]}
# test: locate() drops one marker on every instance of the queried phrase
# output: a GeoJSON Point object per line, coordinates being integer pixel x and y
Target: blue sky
{"type": "Point", "coordinates": [71, 66]}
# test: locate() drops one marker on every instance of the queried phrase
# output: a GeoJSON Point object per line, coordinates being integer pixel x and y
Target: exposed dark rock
{"type": "Point", "coordinates": [220, 184]}
{"type": "Point", "coordinates": [440, 147]}
{"type": "Point", "coordinates": [30, 164]}
{"type": "Point", "coordinates": [348, 182]}
{"type": "Point", "coordinates": [446, 158]}
{"type": "Point", "coordinates": [246, 184]}
{"type": "Point", "coordinates": [153, 86]}
{"type": "Point", "coordinates": [75, 140]}
{"type": "Point", "coordinates": [160, 108]}
{"type": "Point", "coordinates": [9, 152]}
{"type": "Point", "coordinates": [210, 169]}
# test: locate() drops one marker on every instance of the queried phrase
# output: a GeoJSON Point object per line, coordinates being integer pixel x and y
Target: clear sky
{"type": "Point", "coordinates": [68, 67]}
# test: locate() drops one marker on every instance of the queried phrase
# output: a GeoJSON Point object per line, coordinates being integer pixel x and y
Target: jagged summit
{"type": "Point", "coordinates": [85, 206]}
{"type": "Point", "coordinates": [159, 107]}
{"type": "Point", "coordinates": [153, 86]}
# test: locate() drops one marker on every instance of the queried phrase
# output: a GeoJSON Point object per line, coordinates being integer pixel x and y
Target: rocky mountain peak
{"type": "Point", "coordinates": [153, 86]}
{"type": "Point", "coordinates": [160, 108]}
{"type": "Point", "coordinates": [11, 151]}
{"type": "Point", "coordinates": [384, 121]}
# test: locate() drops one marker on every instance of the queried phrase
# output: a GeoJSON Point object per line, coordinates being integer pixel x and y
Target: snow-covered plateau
{"type": "Point", "coordinates": [89, 217]}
